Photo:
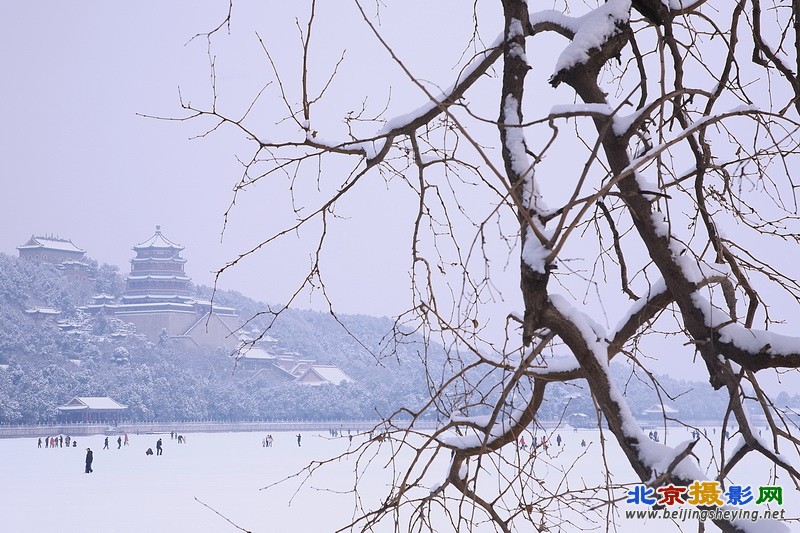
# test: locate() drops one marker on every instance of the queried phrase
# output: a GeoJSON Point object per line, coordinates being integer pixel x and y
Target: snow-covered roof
{"type": "Point", "coordinates": [201, 323]}
{"type": "Point", "coordinates": [300, 367]}
{"type": "Point", "coordinates": [215, 308]}
{"type": "Point", "coordinates": [43, 311]}
{"type": "Point", "coordinates": [158, 241]}
{"type": "Point", "coordinates": [318, 374]}
{"type": "Point", "coordinates": [159, 277]}
{"type": "Point", "coordinates": [146, 307]}
{"type": "Point", "coordinates": [166, 298]}
{"type": "Point", "coordinates": [254, 352]}
{"type": "Point", "coordinates": [286, 362]}
{"type": "Point", "coordinates": [50, 243]}
{"type": "Point", "coordinates": [80, 403]}
{"type": "Point", "coordinates": [172, 259]}
{"type": "Point", "coordinates": [660, 409]}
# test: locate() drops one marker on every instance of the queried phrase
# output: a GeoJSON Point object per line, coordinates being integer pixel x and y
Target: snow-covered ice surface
{"type": "Point", "coordinates": [44, 490]}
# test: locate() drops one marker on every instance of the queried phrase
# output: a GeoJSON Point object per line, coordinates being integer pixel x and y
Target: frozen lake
{"type": "Point", "coordinates": [46, 490]}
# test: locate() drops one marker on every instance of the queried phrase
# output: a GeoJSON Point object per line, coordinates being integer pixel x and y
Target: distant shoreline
{"type": "Point", "coordinates": [355, 426]}
{"type": "Point", "coordinates": [134, 428]}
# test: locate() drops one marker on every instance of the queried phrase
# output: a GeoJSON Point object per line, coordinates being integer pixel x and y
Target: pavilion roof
{"type": "Point", "coordinates": [82, 403]}
{"type": "Point", "coordinates": [43, 311]}
{"type": "Point", "coordinates": [661, 409]}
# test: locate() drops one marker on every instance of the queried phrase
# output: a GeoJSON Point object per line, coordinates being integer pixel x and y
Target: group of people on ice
{"type": "Point", "coordinates": [57, 442]}
{"type": "Point", "coordinates": [122, 440]}
{"type": "Point", "coordinates": [536, 442]}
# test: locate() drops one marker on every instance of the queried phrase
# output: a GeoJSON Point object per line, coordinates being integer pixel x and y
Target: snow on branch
{"type": "Point", "coordinates": [649, 459]}
{"type": "Point", "coordinates": [479, 432]}
{"type": "Point", "coordinates": [411, 120]}
{"type": "Point", "coordinates": [594, 334]}
{"type": "Point", "coordinates": [753, 349]}
{"type": "Point", "coordinates": [588, 32]}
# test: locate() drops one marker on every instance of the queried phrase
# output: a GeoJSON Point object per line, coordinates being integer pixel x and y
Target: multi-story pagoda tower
{"type": "Point", "coordinates": [159, 299]}
{"type": "Point", "coordinates": [157, 273]}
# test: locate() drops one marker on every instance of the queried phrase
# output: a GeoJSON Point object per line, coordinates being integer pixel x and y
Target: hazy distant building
{"type": "Point", "coordinates": [658, 412]}
{"type": "Point", "coordinates": [60, 252]}
{"type": "Point", "coordinates": [159, 298]}
{"type": "Point", "coordinates": [157, 273]}
{"type": "Point", "coordinates": [264, 357]}
{"type": "Point", "coordinates": [50, 249]}
{"type": "Point", "coordinates": [41, 313]}
{"type": "Point", "coordinates": [324, 375]}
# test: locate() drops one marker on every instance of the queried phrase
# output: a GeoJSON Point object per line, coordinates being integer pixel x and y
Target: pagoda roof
{"type": "Point", "coordinates": [150, 300]}
{"type": "Point", "coordinates": [158, 241]}
{"type": "Point", "coordinates": [157, 295]}
{"type": "Point", "coordinates": [50, 243]}
{"type": "Point", "coordinates": [153, 307]}
{"type": "Point", "coordinates": [172, 259]}
{"type": "Point", "coordinates": [158, 276]}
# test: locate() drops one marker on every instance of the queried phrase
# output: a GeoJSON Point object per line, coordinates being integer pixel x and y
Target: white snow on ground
{"type": "Point", "coordinates": [45, 490]}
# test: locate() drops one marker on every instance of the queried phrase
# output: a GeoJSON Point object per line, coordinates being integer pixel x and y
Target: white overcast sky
{"type": "Point", "coordinates": [77, 161]}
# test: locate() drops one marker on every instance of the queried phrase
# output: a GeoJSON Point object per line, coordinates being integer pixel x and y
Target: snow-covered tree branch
{"type": "Point", "coordinates": [631, 164]}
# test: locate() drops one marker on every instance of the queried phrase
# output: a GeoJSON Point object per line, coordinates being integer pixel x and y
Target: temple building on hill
{"type": "Point", "coordinates": [50, 249]}
{"type": "Point", "coordinates": [264, 357]}
{"type": "Point", "coordinates": [63, 253]}
{"type": "Point", "coordinates": [159, 298]}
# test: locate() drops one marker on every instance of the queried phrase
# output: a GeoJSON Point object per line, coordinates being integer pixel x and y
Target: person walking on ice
{"type": "Point", "coordinates": [105, 446]}
{"type": "Point", "coordinates": [158, 447]}
{"type": "Point", "coordinates": [298, 439]}
{"type": "Point", "coordinates": [89, 459]}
